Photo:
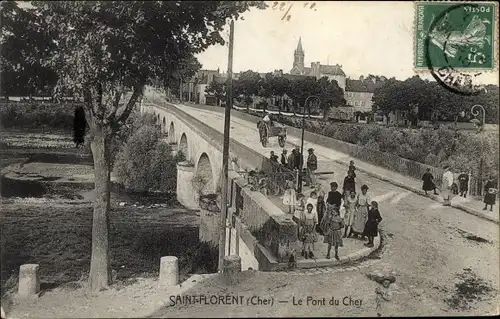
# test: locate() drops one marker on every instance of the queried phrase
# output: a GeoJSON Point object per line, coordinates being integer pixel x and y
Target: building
{"type": "Point", "coordinates": [318, 70]}
{"type": "Point", "coordinates": [194, 89]}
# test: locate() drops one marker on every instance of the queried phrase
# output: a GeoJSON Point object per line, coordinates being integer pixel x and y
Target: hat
{"type": "Point", "coordinates": [364, 187]}
{"type": "Point", "coordinates": [311, 150]}
{"type": "Point", "coordinates": [381, 279]}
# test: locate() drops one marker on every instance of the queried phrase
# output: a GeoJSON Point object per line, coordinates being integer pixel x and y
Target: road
{"type": "Point", "coordinates": [427, 242]}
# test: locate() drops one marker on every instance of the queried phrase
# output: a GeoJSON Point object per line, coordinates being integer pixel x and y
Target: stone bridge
{"type": "Point", "coordinates": [259, 231]}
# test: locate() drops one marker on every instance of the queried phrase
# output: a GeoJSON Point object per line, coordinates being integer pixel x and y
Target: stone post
{"type": "Point", "coordinates": [169, 272]}
{"type": "Point", "coordinates": [231, 268]}
{"type": "Point", "coordinates": [209, 219]}
{"type": "Point", "coordinates": [185, 193]}
{"type": "Point", "coordinates": [29, 282]}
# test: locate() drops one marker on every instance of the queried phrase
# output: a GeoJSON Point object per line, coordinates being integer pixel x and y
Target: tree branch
{"type": "Point", "coordinates": [130, 105]}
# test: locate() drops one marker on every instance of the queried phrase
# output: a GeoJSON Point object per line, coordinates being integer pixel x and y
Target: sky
{"type": "Point", "coordinates": [364, 37]}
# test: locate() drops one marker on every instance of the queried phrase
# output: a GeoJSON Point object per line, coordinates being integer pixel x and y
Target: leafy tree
{"type": "Point", "coordinates": [218, 90]}
{"type": "Point", "coordinates": [108, 51]}
{"type": "Point", "coordinates": [21, 76]}
{"type": "Point", "coordinates": [281, 86]}
{"type": "Point", "coordinates": [186, 69]}
{"type": "Point", "coordinates": [247, 86]}
{"type": "Point", "coordinates": [330, 94]}
{"type": "Point", "coordinates": [300, 89]}
{"type": "Point", "coordinates": [266, 88]}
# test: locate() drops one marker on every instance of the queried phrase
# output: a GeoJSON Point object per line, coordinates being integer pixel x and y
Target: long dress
{"type": "Point", "coordinates": [308, 231]}
{"type": "Point", "coordinates": [428, 184]}
{"type": "Point", "coordinates": [321, 210]}
{"type": "Point", "coordinates": [299, 210]}
{"type": "Point", "coordinates": [361, 213]}
{"type": "Point", "coordinates": [332, 228]}
{"type": "Point", "coordinates": [490, 193]}
{"type": "Point", "coordinates": [290, 196]}
{"type": "Point", "coordinates": [371, 227]}
{"type": "Point", "coordinates": [350, 210]}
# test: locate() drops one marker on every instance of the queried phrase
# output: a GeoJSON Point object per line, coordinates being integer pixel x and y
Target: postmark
{"type": "Point", "coordinates": [456, 42]}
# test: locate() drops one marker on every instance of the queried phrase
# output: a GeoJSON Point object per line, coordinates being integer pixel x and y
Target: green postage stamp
{"type": "Point", "coordinates": [456, 35]}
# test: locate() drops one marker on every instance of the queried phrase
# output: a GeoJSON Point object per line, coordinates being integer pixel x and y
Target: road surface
{"type": "Point", "coordinates": [428, 242]}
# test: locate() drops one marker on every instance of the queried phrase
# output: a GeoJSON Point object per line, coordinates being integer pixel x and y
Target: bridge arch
{"type": "Point", "coordinates": [158, 119]}
{"type": "Point", "coordinates": [163, 126]}
{"type": "Point", "coordinates": [171, 133]}
{"type": "Point", "coordinates": [204, 175]}
{"type": "Point", "coordinates": [183, 145]}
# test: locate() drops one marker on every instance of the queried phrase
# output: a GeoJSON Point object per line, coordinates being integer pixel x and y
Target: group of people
{"type": "Point", "coordinates": [338, 216]}
{"type": "Point", "coordinates": [450, 187]}
{"type": "Point", "coordinates": [294, 161]}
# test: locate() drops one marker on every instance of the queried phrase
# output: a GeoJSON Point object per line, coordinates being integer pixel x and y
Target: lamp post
{"type": "Point", "coordinates": [476, 110]}
{"type": "Point", "coordinates": [299, 177]}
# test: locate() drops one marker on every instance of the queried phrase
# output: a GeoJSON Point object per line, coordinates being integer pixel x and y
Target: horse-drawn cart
{"type": "Point", "coordinates": [266, 130]}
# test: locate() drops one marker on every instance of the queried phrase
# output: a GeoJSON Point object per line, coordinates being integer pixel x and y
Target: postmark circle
{"type": "Point", "coordinates": [442, 35]}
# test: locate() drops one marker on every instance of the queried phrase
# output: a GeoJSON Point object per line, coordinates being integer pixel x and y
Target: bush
{"type": "Point", "coordinates": [145, 163]}
{"type": "Point", "coordinates": [48, 116]}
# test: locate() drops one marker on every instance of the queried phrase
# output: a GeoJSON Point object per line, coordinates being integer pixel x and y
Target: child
{"type": "Point", "coordinates": [350, 211]}
{"type": "Point", "coordinates": [308, 232]}
{"type": "Point", "coordinates": [313, 199]}
{"type": "Point", "coordinates": [332, 225]}
{"type": "Point", "coordinates": [371, 227]}
{"type": "Point", "coordinates": [289, 198]}
{"type": "Point", "coordinates": [299, 210]}
{"type": "Point", "coordinates": [334, 196]}
{"type": "Point", "coordinates": [384, 293]}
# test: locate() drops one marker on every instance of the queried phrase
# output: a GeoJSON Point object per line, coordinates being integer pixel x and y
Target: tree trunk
{"type": "Point", "coordinates": [100, 267]}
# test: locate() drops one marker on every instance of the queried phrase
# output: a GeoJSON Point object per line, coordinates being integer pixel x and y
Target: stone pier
{"type": "Point", "coordinates": [186, 194]}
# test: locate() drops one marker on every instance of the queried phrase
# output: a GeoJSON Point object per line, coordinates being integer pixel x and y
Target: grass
{"type": "Point", "coordinates": [59, 240]}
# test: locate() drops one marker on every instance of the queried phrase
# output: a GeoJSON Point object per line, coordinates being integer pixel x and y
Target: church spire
{"type": "Point", "coordinates": [299, 46]}
{"type": "Point", "coordinates": [298, 56]}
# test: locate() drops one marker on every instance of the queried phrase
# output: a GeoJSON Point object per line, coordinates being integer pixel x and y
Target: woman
{"type": "Point", "coordinates": [371, 227]}
{"type": "Point", "coordinates": [332, 225]}
{"type": "Point", "coordinates": [320, 209]}
{"type": "Point", "coordinates": [361, 214]}
{"type": "Point", "coordinates": [428, 180]}
{"type": "Point", "coordinates": [308, 232]}
{"type": "Point", "coordinates": [350, 211]}
{"type": "Point", "coordinates": [490, 193]}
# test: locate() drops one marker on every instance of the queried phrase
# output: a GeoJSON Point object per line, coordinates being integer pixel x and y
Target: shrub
{"type": "Point", "coordinates": [145, 163]}
{"type": "Point", "coordinates": [47, 116]}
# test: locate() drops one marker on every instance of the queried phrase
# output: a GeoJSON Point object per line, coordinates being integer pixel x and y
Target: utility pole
{"type": "Point", "coordinates": [225, 151]}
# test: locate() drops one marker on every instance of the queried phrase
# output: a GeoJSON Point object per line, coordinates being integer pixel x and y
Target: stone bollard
{"type": "Point", "coordinates": [169, 272]}
{"type": "Point", "coordinates": [29, 282]}
{"type": "Point", "coordinates": [231, 267]}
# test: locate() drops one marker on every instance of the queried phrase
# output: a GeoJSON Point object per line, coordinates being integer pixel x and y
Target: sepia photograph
{"type": "Point", "coordinates": [220, 159]}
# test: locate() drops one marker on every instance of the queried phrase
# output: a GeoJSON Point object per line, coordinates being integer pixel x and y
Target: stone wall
{"type": "Point", "coordinates": [272, 228]}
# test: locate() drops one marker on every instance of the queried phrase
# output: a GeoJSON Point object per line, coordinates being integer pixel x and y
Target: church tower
{"type": "Point", "coordinates": [298, 57]}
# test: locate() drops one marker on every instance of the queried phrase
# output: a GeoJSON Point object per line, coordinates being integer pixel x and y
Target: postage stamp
{"type": "Point", "coordinates": [457, 35]}
{"type": "Point", "coordinates": [456, 42]}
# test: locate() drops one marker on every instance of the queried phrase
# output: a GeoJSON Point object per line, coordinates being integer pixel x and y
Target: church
{"type": "Point", "coordinates": [318, 70]}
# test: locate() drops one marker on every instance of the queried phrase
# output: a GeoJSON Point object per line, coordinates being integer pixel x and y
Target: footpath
{"type": "Point", "coordinates": [469, 205]}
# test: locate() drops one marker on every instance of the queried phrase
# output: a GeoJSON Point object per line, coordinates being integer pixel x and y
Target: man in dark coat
{"type": "Point", "coordinates": [298, 159]}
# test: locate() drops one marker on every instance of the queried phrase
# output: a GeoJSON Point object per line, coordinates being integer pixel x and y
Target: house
{"type": "Point", "coordinates": [359, 95]}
